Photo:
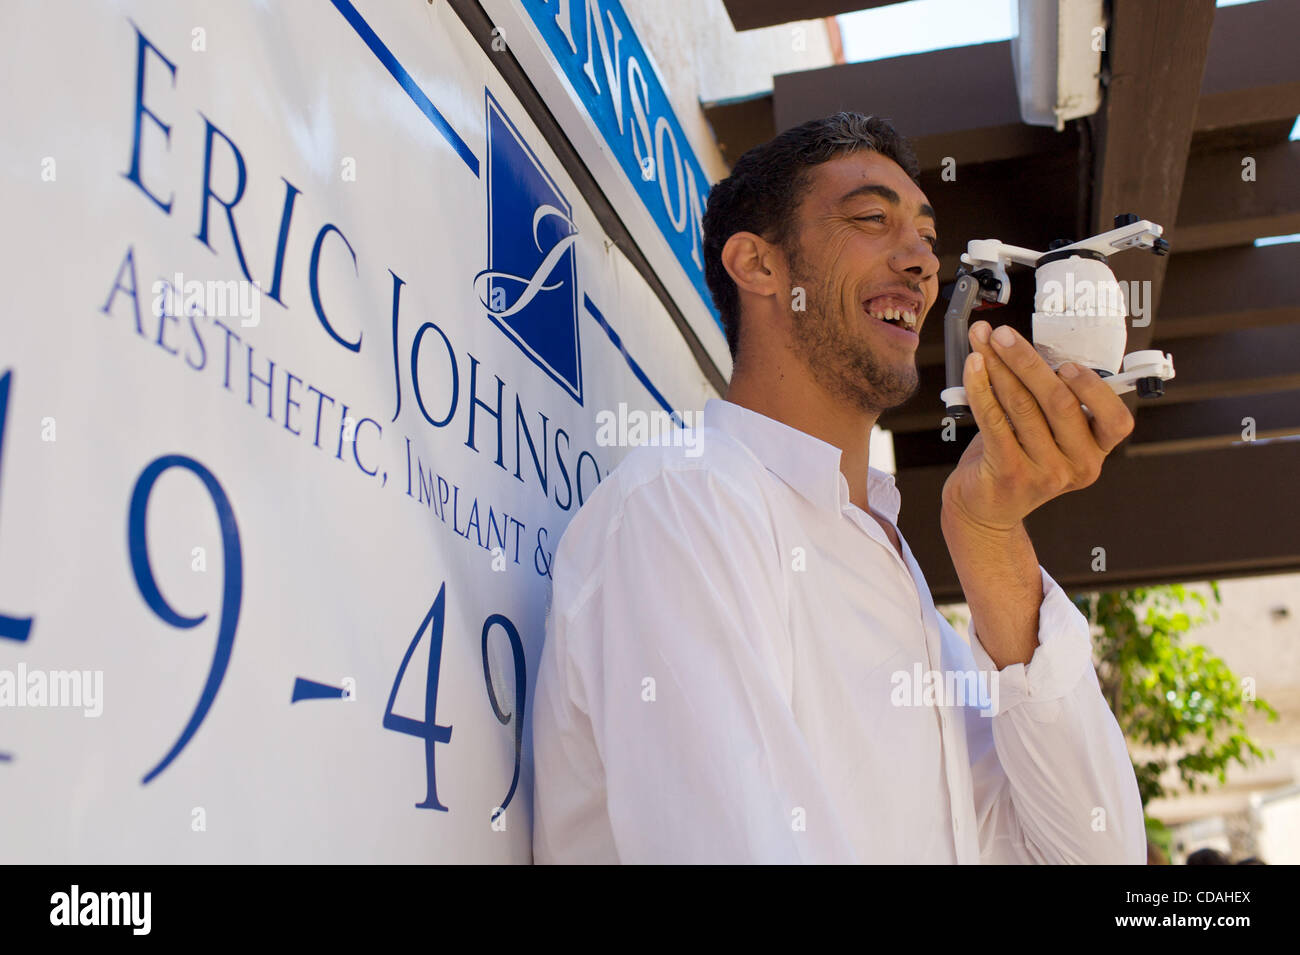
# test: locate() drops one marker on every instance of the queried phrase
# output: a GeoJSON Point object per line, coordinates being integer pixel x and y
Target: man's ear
{"type": "Point", "coordinates": [753, 263]}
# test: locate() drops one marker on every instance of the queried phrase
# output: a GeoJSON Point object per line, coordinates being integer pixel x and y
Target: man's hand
{"type": "Point", "coordinates": [1035, 441]}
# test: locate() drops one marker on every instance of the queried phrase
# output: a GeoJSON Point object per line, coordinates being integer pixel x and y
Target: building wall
{"type": "Point", "coordinates": [701, 58]}
{"type": "Point", "coordinates": [1258, 635]}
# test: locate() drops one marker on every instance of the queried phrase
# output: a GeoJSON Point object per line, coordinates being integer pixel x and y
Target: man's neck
{"type": "Point", "coordinates": [784, 391]}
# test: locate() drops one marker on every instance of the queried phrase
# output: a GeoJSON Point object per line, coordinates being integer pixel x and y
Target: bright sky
{"type": "Point", "coordinates": [918, 26]}
{"type": "Point", "coordinates": [921, 25]}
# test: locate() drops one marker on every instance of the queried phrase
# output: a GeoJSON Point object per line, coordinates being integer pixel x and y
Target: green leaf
{"type": "Point", "coordinates": [1176, 698]}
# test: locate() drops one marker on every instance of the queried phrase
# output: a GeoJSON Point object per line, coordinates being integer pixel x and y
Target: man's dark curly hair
{"type": "Point", "coordinates": [768, 182]}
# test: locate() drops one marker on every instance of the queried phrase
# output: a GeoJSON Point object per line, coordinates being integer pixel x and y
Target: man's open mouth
{"type": "Point", "coordinates": [900, 310]}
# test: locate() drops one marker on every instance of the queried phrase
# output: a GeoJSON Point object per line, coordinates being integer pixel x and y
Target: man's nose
{"type": "Point", "coordinates": [915, 256]}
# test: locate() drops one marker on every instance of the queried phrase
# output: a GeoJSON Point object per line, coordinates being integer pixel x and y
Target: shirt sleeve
{"type": "Point", "coordinates": [1052, 777]}
{"type": "Point", "coordinates": [677, 659]}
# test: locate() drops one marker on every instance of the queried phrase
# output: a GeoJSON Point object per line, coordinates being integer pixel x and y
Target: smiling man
{"type": "Point", "coordinates": [737, 639]}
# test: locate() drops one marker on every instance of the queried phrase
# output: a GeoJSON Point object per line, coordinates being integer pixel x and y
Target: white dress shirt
{"type": "Point", "coordinates": [721, 677]}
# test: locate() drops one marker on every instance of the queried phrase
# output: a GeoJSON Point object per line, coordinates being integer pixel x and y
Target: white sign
{"type": "Point", "coordinates": [306, 344]}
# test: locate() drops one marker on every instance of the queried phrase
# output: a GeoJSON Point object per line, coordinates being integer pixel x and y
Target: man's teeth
{"type": "Point", "coordinates": [902, 315]}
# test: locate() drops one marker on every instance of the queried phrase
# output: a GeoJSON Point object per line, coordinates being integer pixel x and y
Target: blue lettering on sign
{"type": "Point", "coordinates": [607, 66]}
{"type": "Point", "coordinates": [11, 628]}
{"type": "Point", "coordinates": [426, 729]}
{"type": "Point", "coordinates": [530, 287]}
{"type": "Point", "coordinates": [232, 587]}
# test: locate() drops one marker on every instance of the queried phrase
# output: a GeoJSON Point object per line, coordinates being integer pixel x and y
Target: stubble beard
{"type": "Point", "coordinates": [837, 355]}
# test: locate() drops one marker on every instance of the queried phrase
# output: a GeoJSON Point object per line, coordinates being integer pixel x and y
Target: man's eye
{"type": "Point", "coordinates": [933, 240]}
{"type": "Point", "coordinates": [878, 217]}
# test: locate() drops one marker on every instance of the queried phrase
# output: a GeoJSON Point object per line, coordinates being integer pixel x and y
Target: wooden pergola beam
{"type": "Point", "coordinates": [1157, 51]}
{"type": "Point", "coordinates": [1221, 208]}
{"type": "Point", "coordinates": [1249, 361]}
{"type": "Point", "coordinates": [960, 102]}
{"type": "Point", "coordinates": [740, 124]}
{"type": "Point", "coordinates": [1204, 514]}
{"type": "Point", "coordinates": [1162, 429]}
{"type": "Point", "coordinates": [1230, 289]}
{"type": "Point", "coordinates": [1252, 72]}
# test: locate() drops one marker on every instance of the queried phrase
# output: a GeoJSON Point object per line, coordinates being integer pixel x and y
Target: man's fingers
{"type": "Point", "coordinates": [1059, 405]}
{"type": "Point", "coordinates": [1000, 443]}
{"type": "Point", "coordinates": [1112, 422]}
{"type": "Point", "coordinates": [1022, 407]}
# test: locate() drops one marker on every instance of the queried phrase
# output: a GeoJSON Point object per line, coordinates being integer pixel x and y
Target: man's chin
{"type": "Point", "coordinates": [874, 395]}
{"type": "Point", "coordinates": [895, 398]}
{"type": "Point", "coordinates": [857, 372]}
{"type": "Point", "coordinates": [886, 388]}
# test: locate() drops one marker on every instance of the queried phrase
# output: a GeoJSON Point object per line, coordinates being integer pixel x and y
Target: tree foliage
{"type": "Point", "coordinates": [1175, 699]}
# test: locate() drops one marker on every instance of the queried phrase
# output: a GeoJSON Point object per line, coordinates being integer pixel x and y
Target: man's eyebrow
{"type": "Point", "coordinates": [884, 192]}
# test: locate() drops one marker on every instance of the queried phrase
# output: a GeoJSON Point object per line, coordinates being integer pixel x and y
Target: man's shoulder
{"type": "Point", "coordinates": [705, 458]}
{"type": "Point", "coordinates": [708, 470]}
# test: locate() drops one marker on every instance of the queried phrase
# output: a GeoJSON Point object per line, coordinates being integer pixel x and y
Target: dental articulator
{"type": "Point", "coordinates": [1080, 310]}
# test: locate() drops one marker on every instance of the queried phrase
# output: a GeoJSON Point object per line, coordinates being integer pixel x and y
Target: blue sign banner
{"type": "Point", "coordinates": [607, 66]}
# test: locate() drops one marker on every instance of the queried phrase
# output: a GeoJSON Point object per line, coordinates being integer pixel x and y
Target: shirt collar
{"type": "Point", "coordinates": [809, 465]}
